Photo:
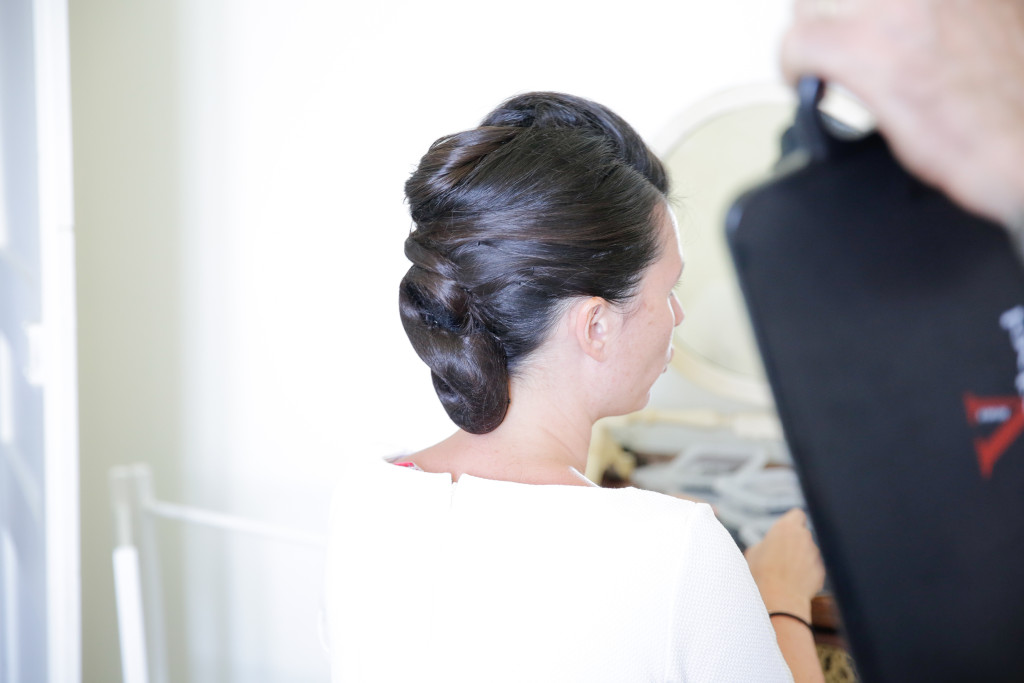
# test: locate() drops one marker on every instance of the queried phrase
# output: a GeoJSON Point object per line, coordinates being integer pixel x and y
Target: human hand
{"type": "Point", "coordinates": [943, 78]}
{"type": "Point", "coordinates": [786, 565]}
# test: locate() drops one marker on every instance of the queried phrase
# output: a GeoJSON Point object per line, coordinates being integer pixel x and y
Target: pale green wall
{"type": "Point", "coordinates": [126, 128]}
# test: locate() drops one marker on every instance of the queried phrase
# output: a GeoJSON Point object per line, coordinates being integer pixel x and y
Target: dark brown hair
{"type": "Point", "coordinates": [551, 198]}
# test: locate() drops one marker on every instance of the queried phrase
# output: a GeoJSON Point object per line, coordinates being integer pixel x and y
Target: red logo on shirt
{"type": "Point", "coordinates": [1007, 412]}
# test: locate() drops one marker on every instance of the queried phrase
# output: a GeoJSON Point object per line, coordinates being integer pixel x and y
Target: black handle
{"type": "Point", "coordinates": [811, 134]}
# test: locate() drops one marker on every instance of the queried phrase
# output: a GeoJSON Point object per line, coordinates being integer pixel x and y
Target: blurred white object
{"type": "Point", "coordinates": [696, 469]}
{"type": "Point", "coordinates": [136, 583]}
{"type": "Point", "coordinates": [128, 589]}
{"type": "Point", "coordinates": [770, 490]}
{"type": "Point", "coordinates": [40, 575]}
{"type": "Point", "coordinates": [749, 503]}
{"type": "Point", "coordinates": [753, 531]}
{"type": "Point", "coordinates": [736, 518]}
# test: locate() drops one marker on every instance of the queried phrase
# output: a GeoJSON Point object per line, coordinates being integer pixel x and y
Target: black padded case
{"type": "Point", "coordinates": [888, 322]}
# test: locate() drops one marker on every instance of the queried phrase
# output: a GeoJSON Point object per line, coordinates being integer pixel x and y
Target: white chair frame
{"type": "Point", "coordinates": [135, 507]}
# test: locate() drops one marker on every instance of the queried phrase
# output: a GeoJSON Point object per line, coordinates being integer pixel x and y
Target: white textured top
{"type": "Point", "coordinates": [480, 580]}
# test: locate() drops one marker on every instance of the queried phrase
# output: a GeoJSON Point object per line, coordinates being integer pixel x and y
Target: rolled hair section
{"type": "Point", "coordinates": [467, 363]}
{"type": "Point", "coordinates": [558, 110]}
{"type": "Point", "coordinates": [550, 199]}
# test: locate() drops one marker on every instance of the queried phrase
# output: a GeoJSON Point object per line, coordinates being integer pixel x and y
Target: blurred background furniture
{"type": "Point", "coordinates": [141, 579]}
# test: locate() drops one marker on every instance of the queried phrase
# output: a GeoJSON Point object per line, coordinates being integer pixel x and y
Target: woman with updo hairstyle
{"type": "Point", "coordinates": [544, 256]}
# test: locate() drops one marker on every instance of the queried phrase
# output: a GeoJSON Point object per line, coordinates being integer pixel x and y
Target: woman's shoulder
{"type": "Point", "coordinates": [624, 513]}
{"type": "Point", "coordinates": [632, 500]}
{"type": "Point", "coordinates": [653, 509]}
{"type": "Point", "coordinates": [372, 482]}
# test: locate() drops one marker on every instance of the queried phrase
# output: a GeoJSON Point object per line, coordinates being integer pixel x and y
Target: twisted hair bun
{"type": "Point", "coordinates": [551, 198]}
{"type": "Point", "coordinates": [467, 363]}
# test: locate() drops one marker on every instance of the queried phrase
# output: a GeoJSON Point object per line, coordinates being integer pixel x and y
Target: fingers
{"type": "Point", "coordinates": [831, 39]}
{"type": "Point", "coordinates": [800, 548]}
{"type": "Point", "coordinates": [812, 47]}
{"type": "Point", "coordinates": [786, 564]}
{"type": "Point", "coordinates": [791, 522]}
{"type": "Point", "coordinates": [796, 515]}
{"type": "Point", "coordinates": [810, 10]}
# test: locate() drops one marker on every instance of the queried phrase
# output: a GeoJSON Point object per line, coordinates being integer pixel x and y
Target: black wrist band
{"type": "Point", "coordinates": [792, 616]}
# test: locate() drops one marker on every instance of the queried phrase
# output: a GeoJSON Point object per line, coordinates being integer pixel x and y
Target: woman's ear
{"type": "Point", "coordinates": [595, 322]}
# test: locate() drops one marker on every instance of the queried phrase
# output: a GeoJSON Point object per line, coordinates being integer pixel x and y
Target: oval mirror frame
{"type": "Point", "coordinates": [714, 150]}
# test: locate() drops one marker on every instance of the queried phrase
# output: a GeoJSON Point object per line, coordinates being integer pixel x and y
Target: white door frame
{"type": "Point", "coordinates": [42, 471]}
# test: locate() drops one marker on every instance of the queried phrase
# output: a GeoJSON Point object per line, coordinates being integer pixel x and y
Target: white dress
{"type": "Point", "coordinates": [480, 580]}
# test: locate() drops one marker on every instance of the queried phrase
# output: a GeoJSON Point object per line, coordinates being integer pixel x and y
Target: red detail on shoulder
{"type": "Point", "coordinates": [986, 409]}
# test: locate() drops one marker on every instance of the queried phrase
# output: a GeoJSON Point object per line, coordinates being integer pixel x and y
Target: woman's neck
{"type": "Point", "coordinates": [542, 440]}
